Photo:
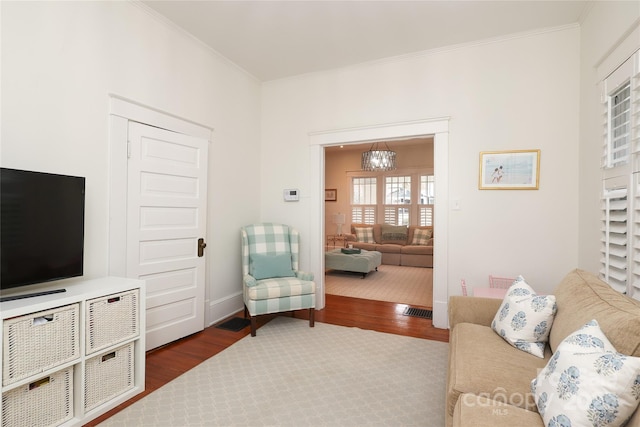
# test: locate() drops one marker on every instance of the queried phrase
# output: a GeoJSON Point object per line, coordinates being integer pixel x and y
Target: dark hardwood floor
{"type": "Point", "coordinates": [168, 362]}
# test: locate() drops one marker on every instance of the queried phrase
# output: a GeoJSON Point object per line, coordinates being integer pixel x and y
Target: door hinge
{"type": "Point", "coordinates": [128, 149]}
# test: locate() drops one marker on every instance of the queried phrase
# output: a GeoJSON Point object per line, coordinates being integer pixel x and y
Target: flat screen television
{"type": "Point", "coordinates": [41, 227]}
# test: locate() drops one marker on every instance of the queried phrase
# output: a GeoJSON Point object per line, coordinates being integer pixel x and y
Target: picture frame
{"type": "Point", "coordinates": [509, 170]}
{"type": "Point", "coordinates": [330, 195]}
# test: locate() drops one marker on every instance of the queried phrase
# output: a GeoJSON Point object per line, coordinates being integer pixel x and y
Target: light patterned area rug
{"type": "Point", "coordinates": [393, 283]}
{"type": "Point", "coordinates": [294, 375]}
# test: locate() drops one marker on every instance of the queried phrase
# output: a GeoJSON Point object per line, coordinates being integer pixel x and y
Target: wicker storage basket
{"type": "Point", "coordinates": [45, 402]}
{"type": "Point", "coordinates": [108, 375]}
{"type": "Point", "coordinates": [39, 341]}
{"type": "Point", "coordinates": [111, 319]}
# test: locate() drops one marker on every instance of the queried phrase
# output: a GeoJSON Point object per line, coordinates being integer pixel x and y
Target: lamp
{"type": "Point", "coordinates": [378, 160]}
{"type": "Point", "coordinates": [338, 219]}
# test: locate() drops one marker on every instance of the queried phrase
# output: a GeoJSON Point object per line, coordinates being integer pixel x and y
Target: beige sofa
{"type": "Point", "coordinates": [488, 380]}
{"type": "Point", "coordinates": [396, 251]}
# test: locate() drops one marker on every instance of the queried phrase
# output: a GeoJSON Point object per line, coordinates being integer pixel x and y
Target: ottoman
{"type": "Point", "coordinates": [364, 262]}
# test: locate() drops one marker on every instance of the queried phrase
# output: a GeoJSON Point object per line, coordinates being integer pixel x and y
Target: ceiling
{"type": "Point", "coordinates": [278, 39]}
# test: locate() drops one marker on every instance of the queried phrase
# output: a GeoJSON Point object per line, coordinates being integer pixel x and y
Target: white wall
{"type": "Point", "coordinates": [601, 34]}
{"type": "Point", "coordinates": [60, 60]}
{"type": "Point", "coordinates": [515, 93]}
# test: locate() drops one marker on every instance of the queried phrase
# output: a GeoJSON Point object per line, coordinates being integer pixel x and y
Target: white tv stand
{"type": "Point", "coordinates": [71, 356]}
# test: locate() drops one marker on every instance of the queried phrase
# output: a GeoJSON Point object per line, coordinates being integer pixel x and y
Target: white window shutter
{"type": "Point", "coordinates": [635, 104]}
{"type": "Point", "coordinates": [369, 214]}
{"type": "Point", "coordinates": [356, 215]}
{"type": "Point", "coordinates": [363, 214]}
{"type": "Point", "coordinates": [390, 215]}
{"type": "Point", "coordinates": [614, 238]}
{"type": "Point", "coordinates": [426, 215]}
{"type": "Point", "coordinates": [620, 246]}
{"type": "Point", "coordinates": [633, 287]}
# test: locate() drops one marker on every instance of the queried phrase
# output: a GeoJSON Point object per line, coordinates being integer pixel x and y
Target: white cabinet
{"type": "Point", "coordinates": [71, 356]}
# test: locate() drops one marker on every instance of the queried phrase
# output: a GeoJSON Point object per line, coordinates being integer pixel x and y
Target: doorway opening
{"type": "Point", "coordinates": [361, 200]}
{"type": "Point", "coordinates": [438, 129]}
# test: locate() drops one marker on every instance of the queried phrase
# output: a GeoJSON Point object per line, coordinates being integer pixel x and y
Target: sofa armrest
{"type": "Point", "coordinates": [249, 280]}
{"type": "Point", "coordinates": [480, 311]}
{"type": "Point", "coordinates": [350, 237]}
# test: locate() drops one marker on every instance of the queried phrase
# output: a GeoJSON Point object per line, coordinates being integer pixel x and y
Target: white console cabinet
{"type": "Point", "coordinates": [69, 357]}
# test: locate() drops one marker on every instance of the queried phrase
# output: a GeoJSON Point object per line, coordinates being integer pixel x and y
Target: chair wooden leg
{"type": "Point", "coordinates": [246, 312]}
{"type": "Point", "coordinates": [253, 326]}
{"type": "Point", "coordinates": [312, 313]}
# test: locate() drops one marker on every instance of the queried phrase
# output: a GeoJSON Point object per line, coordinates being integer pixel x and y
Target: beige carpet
{"type": "Point", "coordinates": [406, 285]}
{"type": "Point", "coordinates": [294, 375]}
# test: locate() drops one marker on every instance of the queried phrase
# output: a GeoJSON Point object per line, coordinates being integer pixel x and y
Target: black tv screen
{"type": "Point", "coordinates": [41, 227]}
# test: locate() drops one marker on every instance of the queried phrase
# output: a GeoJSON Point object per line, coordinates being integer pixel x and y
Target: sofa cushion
{"type": "Point", "coordinates": [413, 228]}
{"type": "Point", "coordinates": [396, 234]}
{"type": "Point", "coordinates": [525, 318]}
{"type": "Point", "coordinates": [479, 411]}
{"type": "Point", "coordinates": [421, 236]}
{"type": "Point", "coordinates": [482, 363]}
{"type": "Point", "coordinates": [416, 250]}
{"type": "Point", "coordinates": [376, 230]}
{"type": "Point", "coordinates": [389, 248]}
{"type": "Point", "coordinates": [582, 296]}
{"type": "Point", "coordinates": [364, 234]}
{"type": "Point", "coordinates": [586, 382]}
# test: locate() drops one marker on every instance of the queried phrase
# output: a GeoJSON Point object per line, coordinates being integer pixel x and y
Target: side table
{"type": "Point", "coordinates": [333, 239]}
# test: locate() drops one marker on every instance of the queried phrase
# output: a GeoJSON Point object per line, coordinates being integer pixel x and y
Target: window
{"type": "Point", "coordinates": [620, 198]}
{"type": "Point", "coordinates": [363, 200]}
{"type": "Point", "coordinates": [408, 198]}
{"type": "Point", "coordinates": [397, 190]}
{"type": "Point", "coordinates": [427, 198]}
{"type": "Point", "coordinates": [618, 126]}
{"type": "Point", "coordinates": [397, 196]}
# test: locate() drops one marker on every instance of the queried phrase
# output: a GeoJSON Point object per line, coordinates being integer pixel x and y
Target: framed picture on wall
{"type": "Point", "coordinates": [330, 195]}
{"type": "Point", "coordinates": [509, 170]}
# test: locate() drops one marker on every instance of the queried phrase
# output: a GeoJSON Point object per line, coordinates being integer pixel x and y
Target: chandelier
{"type": "Point", "coordinates": [378, 160]}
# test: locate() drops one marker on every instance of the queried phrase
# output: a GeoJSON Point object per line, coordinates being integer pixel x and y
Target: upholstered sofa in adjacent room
{"type": "Point", "coordinates": [489, 380]}
{"type": "Point", "coordinates": [399, 245]}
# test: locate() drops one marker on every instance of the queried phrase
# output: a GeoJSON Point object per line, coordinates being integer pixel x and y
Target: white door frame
{"type": "Point", "coordinates": [439, 129]}
{"type": "Point", "coordinates": [121, 111]}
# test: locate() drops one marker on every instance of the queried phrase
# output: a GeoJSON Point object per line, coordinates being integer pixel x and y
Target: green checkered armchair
{"type": "Point", "coordinates": [270, 276]}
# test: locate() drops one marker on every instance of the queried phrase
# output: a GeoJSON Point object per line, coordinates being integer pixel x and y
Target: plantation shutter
{"type": "Point", "coordinates": [426, 215]}
{"type": "Point", "coordinates": [614, 238]}
{"type": "Point", "coordinates": [634, 278]}
{"type": "Point", "coordinates": [390, 216]}
{"type": "Point", "coordinates": [620, 238]}
{"type": "Point", "coordinates": [363, 214]}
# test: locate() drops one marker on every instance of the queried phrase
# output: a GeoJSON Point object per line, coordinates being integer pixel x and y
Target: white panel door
{"type": "Point", "coordinates": [166, 224]}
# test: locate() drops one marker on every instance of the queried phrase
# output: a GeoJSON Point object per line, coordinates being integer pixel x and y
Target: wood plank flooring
{"type": "Point", "coordinates": [170, 361]}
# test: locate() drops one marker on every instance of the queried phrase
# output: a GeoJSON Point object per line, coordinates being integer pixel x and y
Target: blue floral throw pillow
{"type": "Point", "coordinates": [524, 318]}
{"type": "Point", "coordinates": [587, 382]}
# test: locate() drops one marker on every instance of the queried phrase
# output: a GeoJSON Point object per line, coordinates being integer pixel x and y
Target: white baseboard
{"type": "Point", "coordinates": [224, 307]}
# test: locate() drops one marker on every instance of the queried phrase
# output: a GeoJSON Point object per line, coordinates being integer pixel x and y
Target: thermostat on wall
{"type": "Point", "coordinates": [291, 195]}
